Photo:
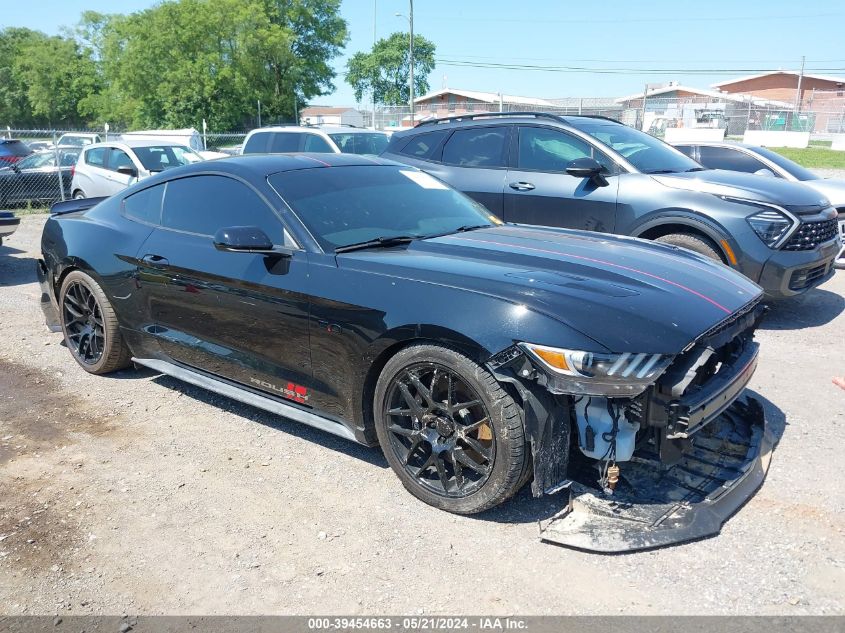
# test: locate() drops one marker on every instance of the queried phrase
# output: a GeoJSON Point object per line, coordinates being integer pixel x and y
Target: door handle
{"type": "Point", "coordinates": [521, 186]}
{"type": "Point", "coordinates": [156, 261]}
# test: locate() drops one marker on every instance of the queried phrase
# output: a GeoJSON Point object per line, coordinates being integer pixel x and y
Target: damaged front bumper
{"type": "Point", "coordinates": [657, 505]}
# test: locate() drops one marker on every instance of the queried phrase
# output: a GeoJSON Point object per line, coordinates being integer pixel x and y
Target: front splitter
{"type": "Point", "coordinates": [654, 507]}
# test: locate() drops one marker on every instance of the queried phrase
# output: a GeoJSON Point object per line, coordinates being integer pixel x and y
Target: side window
{"type": "Point", "coordinates": [423, 145]}
{"type": "Point", "coordinates": [688, 150]}
{"type": "Point", "coordinates": [543, 149]}
{"type": "Point", "coordinates": [314, 143]}
{"type": "Point", "coordinates": [476, 147]}
{"type": "Point", "coordinates": [118, 158]}
{"type": "Point", "coordinates": [145, 205]}
{"type": "Point", "coordinates": [257, 143]}
{"type": "Point", "coordinates": [284, 142]}
{"type": "Point", "coordinates": [206, 204]}
{"type": "Point", "coordinates": [725, 158]}
{"type": "Point", "coordinates": [96, 157]}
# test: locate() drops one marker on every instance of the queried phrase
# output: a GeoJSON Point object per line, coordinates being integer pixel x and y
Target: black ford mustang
{"type": "Point", "coordinates": [372, 301]}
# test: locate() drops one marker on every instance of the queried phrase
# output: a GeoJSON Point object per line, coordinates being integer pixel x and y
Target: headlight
{"type": "Point", "coordinates": [597, 374]}
{"type": "Point", "coordinates": [770, 226]}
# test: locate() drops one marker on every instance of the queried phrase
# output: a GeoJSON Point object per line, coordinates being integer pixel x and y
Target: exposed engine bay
{"type": "Point", "coordinates": [638, 468]}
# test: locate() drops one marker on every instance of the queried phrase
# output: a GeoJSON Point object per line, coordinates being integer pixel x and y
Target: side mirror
{"type": "Point", "coordinates": [128, 171]}
{"type": "Point", "coordinates": [244, 239]}
{"type": "Point", "coordinates": [587, 168]}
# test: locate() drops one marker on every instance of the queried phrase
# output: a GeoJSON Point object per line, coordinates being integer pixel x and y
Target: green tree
{"type": "Point", "coordinates": [58, 76]}
{"type": "Point", "coordinates": [181, 61]}
{"type": "Point", "coordinates": [14, 100]}
{"type": "Point", "coordinates": [384, 72]}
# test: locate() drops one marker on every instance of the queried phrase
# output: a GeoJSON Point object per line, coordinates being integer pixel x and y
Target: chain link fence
{"type": "Point", "coordinates": [36, 166]}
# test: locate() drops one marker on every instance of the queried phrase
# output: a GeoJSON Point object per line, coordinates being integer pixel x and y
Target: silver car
{"type": "Point", "coordinates": [764, 162]}
{"type": "Point", "coordinates": [103, 169]}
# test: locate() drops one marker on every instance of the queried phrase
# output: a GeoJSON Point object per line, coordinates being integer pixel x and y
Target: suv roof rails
{"type": "Point", "coordinates": [492, 115]}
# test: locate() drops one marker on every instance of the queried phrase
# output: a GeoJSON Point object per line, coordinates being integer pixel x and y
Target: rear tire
{"type": "Point", "coordinates": [694, 243]}
{"type": "Point", "coordinates": [90, 326]}
{"type": "Point", "coordinates": [78, 195]}
{"type": "Point", "coordinates": [452, 435]}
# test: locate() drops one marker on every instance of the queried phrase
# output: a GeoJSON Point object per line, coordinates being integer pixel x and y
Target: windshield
{"type": "Point", "coordinates": [360, 142]}
{"type": "Point", "coordinates": [161, 157]}
{"type": "Point", "coordinates": [646, 153]}
{"type": "Point", "coordinates": [787, 165]}
{"type": "Point", "coordinates": [349, 205]}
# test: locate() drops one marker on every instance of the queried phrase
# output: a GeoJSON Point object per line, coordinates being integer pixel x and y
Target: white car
{"type": "Point", "coordinates": [324, 139]}
{"type": "Point", "coordinates": [103, 169]}
{"type": "Point", "coordinates": [78, 139]}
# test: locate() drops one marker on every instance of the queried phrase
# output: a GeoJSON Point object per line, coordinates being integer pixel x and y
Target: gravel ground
{"type": "Point", "coordinates": [135, 493]}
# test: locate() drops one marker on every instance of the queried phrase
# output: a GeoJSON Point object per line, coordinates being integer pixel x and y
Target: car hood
{"type": "Point", "coordinates": [626, 294]}
{"type": "Point", "coordinates": [735, 184]}
{"type": "Point", "coordinates": [832, 188]}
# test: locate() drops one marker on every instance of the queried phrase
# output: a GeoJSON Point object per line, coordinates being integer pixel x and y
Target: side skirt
{"type": "Point", "coordinates": [234, 392]}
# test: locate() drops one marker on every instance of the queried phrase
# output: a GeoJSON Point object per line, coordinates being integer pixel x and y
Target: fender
{"type": "Point", "coordinates": [685, 217]}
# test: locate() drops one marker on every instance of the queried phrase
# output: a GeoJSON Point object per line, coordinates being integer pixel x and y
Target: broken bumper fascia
{"type": "Point", "coordinates": [688, 501]}
{"type": "Point", "coordinates": [48, 301]}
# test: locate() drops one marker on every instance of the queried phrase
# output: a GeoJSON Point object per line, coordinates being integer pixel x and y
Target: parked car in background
{"type": "Point", "coordinates": [765, 162]}
{"type": "Point", "coordinates": [12, 150]}
{"type": "Point", "coordinates": [586, 355]}
{"type": "Point", "coordinates": [37, 146]}
{"type": "Point", "coordinates": [190, 137]}
{"type": "Point", "coordinates": [594, 173]}
{"type": "Point", "coordinates": [36, 177]}
{"type": "Point", "coordinates": [8, 224]}
{"type": "Point", "coordinates": [328, 139]}
{"type": "Point", "coordinates": [104, 169]}
{"type": "Point", "coordinates": [79, 139]}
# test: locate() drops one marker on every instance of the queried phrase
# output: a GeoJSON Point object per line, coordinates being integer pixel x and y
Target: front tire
{"type": "Point", "coordinates": [694, 243]}
{"type": "Point", "coordinates": [453, 436]}
{"type": "Point", "coordinates": [78, 195]}
{"type": "Point", "coordinates": [90, 326]}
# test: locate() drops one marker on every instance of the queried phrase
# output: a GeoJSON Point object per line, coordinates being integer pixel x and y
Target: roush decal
{"type": "Point", "coordinates": [291, 391]}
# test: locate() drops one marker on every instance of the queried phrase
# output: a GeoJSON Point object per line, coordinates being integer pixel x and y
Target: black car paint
{"type": "Point", "coordinates": [251, 317]}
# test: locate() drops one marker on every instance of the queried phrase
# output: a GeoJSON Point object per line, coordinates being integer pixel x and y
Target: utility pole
{"type": "Point", "coordinates": [375, 7]}
{"type": "Point", "coordinates": [642, 123]}
{"type": "Point", "coordinates": [798, 93]}
{"type": "Point", "coordinates": [259, 113]}
{"type": "Point", "coordinates": [411, 80]}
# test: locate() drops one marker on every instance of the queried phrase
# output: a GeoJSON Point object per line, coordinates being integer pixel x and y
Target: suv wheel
{"type": "Point", "coordinates": [449, 431]}
{"type": "Point", "coordinates": [695, 243]}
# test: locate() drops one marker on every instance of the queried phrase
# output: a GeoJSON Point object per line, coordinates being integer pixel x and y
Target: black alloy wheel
{"type": "Point", "coordinates": [449, 430]}
{"type": "Point", "coordinates": [83, 321]}
{"type": "Point", "coordinates": [440, 430]}
{"type": "Point", "coordinates": [90, 326]}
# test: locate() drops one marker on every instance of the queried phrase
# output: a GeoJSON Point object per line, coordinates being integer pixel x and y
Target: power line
{"type": "Point", "coordinates": [619, 71]}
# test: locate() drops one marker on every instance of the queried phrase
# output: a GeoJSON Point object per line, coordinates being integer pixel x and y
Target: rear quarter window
{"type": "Point", "coordinates": [257, 143]}
{"type": "Point", "coordinates": [145, 206]}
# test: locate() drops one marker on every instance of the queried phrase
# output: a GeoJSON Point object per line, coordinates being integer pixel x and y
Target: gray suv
{"type": "Point", "coordinates": [595, 174]}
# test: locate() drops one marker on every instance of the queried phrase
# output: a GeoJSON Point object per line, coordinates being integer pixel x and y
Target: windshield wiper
{"type": "Point", "coordinates": [695, 169]}
{"type": "Point", "coordinates": [660, 171]}
{"type": "Point", "coordinates": [471, 227]}
{"type": "Point", "coordinates": [378, 242]}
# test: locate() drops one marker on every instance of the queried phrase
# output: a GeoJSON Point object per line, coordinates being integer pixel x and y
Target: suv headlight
{"type": "Point", "coordinates": [597, 374]}
{"type": "Point", "coordinates": [771, 226]}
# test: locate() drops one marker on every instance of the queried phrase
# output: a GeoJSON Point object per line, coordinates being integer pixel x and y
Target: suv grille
{"type": "Point", "coordinates": [811, 234]}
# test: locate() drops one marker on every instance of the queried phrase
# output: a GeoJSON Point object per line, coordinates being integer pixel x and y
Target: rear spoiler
{"type": "Point", "coordinates": [70, 206]}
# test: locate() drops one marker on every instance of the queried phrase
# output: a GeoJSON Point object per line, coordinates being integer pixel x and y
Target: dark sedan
{"type": "Point", "coordinates": [372, 301]}
{"type": "Point", "coordinates": [36, 177]}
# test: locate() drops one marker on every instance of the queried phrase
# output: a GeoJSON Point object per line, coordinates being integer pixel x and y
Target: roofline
{"type": "Point", "coordinates": [839, 80]}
